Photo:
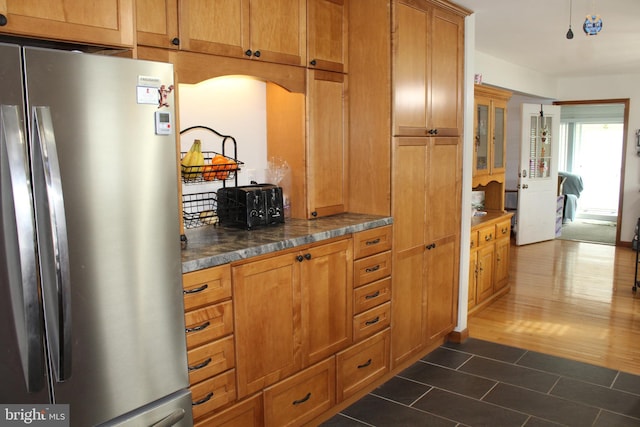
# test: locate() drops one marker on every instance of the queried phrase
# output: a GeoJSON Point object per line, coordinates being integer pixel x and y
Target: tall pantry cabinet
{"type": "Point", "coordinates": [427, 66]}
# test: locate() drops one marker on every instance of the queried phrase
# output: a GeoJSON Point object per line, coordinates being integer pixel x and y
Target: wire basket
{"type": "Point", "coordinates": [217, 167]}
{"type": "Point", "coordinates": [199, 209]}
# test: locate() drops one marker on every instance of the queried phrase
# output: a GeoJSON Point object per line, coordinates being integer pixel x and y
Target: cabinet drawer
{"type": "Point", "coordinates": [205, 287]}
{"type": "Point", "coordinates": [302, 397]}
{"type": "Point", "coordinates": [213, 393]}
{"type": "Point", "coordinates": [209, 323]}
{"type": "Point", "coordinates": [371, 268]}
{"type": "Point", "coordinates": [503, 229]}
{"type": "Point", "coordinates": [362, 364]}
{"type": "Point", "coordinates": [371, 295]}
{"type": "Point", "coordinates": [486, 235]}
{"type": "Point", "coordinates": [474, 239]}
{"type": "Point", "coordinates": [248, 413]}
{"type": "Point", "coordinates": [372, 241]}
{"type": "Point", "coordinates": [371, 321]}
{"type": "Point", "coordinates": [210, 359]}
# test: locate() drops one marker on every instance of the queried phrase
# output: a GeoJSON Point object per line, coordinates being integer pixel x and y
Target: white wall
{"type": "Point", "coordinates": [235, 106]}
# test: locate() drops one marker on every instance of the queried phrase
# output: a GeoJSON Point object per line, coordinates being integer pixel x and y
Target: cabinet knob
{"type": "Point", "coordinates": [3, 20]}
{"type": "Point", "coordinates": [248, 52]}
{"type": "Point", "coordinates": [175, 41]}
{"type": "Point", "coordinates": [299, 258]}
{"type": "Point", "coordinates": [313, 62]}
{"type": "Point", "coordinates": [307, 256]}
{"type": "Point", "coordinates": [314, 214]}
{"type": "Point", "coordinates": [431, 246]}
{"type": "Point", "coordinates": [256, 54]}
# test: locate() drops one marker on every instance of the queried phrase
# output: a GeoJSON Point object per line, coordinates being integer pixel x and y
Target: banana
{"type": "Point", "coordinates": [193, 161]}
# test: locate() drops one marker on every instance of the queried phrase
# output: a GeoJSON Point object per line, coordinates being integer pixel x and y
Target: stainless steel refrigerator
{"type": "Point", "coordinates": [91, 309]}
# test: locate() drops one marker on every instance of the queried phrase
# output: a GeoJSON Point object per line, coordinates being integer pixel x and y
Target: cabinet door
{"type": "Point", "coordinates": [327, 35]}
{"type": "Point", "coordinates": [485, 272]}
{"type": "Point", "coordinates": [157, 23]}
{"type": "Point", "coordinates": [446, 46]}
{"type": "Point", "coordinates": [444, 180]}
{"type": "Point", "coordinates": [277, 30]}
{"type": "Point", "coordinates": [327, 299]}
{"type": "Point", "coordinates": [409, 206]}
{"type": "Point", "coordinates": [267, 312]}
{"type": "Point", "coordinates": [501, 263]}
{"type": "Point", "coordinates": [326, 143]}
{"type": "Point", "coordinates": [106, 22]}
{"type": "Point", "coordinates": [499, 124]}
{"type": "Point", "coordinates": [442, 287]}
{"type": "Point", "coordinates": [473, 276]}
{"type": "Point", "coordinates": [218, 27]}
{"type": "Point", "coordinates": [410, 71]}
{"type": "Point", "coordinates": [481, 159]}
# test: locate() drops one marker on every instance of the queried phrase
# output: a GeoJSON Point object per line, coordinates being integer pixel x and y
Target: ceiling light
{"type": "Point", "coordinates": [570, 33]}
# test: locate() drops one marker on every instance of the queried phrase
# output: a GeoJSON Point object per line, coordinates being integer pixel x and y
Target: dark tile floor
{"type": "Point", "coordinates": [479, 383]}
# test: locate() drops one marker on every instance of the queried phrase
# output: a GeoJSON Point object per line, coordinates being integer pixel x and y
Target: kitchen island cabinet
{"type": "Point", "coordinates": [102, 23]}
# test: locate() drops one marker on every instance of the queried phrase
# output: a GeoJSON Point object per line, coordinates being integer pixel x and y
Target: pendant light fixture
{"type": "Point", "coordinates": [570, 32]}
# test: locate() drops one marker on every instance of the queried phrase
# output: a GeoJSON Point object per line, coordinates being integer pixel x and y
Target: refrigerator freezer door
{"type": "Point", "coordinates": [174, 410]}
{"type": "Point", "coordinates": [22, 363]}
{"type": "Point", "coordinates": [119, 185]}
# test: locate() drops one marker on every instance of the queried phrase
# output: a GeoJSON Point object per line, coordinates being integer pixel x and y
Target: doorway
{"type": "Point", "coordinates": [592, 147]}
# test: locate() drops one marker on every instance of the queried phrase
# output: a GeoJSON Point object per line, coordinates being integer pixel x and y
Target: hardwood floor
{"type": "Point", "coordinates": [568, 299]}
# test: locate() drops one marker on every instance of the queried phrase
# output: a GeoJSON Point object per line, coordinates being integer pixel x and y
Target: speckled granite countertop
{"type": "Point", "coordinates": [216, 245]}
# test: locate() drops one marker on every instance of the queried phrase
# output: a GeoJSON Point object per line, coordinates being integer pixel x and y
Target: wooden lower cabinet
{"type": "Point", "coordinates": [489, 260]}
{"type": "Point", "coordinates": [302, 397]}
{"type": "Point", "coordinates": [291, 311]}
{"type": "Point", "coordinates": [279, 340]}
{"type": "Point", "coordinates": [248, 413]}
{"type": "Point", "coordinates": [362, 364]}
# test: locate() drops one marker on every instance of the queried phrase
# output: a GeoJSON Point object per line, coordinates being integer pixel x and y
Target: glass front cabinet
{"type": "Point", "coordinates": [489, 153]}
{"type": "Point", "coordinates": [490, 133]}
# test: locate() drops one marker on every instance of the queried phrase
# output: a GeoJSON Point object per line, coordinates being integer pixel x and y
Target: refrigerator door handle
{"type": "Point", "coordinates": [19, 239]}
{"type": "Point", "coordinates": [53, 248]}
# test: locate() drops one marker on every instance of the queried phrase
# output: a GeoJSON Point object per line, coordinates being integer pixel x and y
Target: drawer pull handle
{"type": "Point", "coordinates": [203, 400]}
{"type": "Point", "coordinates": [196, 290]}
{"type": "Point", "coordinates": [304, 399]}
{"type": "Point", "coordinates": [373, 295]}
{"type": "Point", "coordinates": [372, 269]}
{"type": "Point", "coordinates": [364, 365]}
{"type": "Point", "coordinates": [200, 365]}
{"type": "Point", "coordinates": [198, 328]}
{"type": "Point", "coordinates": [373, 321]}
{"type": "Point", "coordinates": [372, 242]}
{"type": "Point", "coordinates": [488, 237]}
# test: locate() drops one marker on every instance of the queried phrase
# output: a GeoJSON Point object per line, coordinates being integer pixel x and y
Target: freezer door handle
{"type": "Point", "coordinates": [53, 248]}
{"type": "Point", "coordinates": [20, 246]}
{"type": "Point", "coordinates": [171, 419]}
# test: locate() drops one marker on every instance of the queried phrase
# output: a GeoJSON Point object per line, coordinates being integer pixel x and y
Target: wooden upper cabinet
{"type": "Point", "coordinates": [428, 70]}
{"type": "Point", "coordinates": [327, 35]}
{"type": "Point", "coordinates": [104, 22]}
{"type": "Point", "coordinates": [157, 23]}
{"type": "Point", "coordinates": [268, 30]}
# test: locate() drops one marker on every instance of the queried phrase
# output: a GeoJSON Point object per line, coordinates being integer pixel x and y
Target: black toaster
{"type": "Point", "coordinates": [250, 205]}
